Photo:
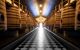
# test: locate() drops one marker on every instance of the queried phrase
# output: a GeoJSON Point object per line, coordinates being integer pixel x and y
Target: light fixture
{"type": "Point", "coordinates": [40, 11]}
{"type": "Point", "coordinates": [40, 5]}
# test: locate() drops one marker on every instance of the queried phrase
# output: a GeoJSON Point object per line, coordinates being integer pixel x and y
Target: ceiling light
{"type": "Point", "coordinates": [40, 5]}
{"type": "Point", "coordinates": [40, 11]}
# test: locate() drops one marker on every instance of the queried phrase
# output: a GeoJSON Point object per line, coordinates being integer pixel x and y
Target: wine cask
{"type": "Point", "coordinates": [78, 14]}
{"type": "Point", "coordinates": [13, 17]}
{"type": "Point", "coordinates": [68, 17]}
{"type": "Point", "coordinates": [2, 15]}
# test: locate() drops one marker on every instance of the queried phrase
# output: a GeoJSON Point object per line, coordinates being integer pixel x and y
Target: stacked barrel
{"type": "Point", "coordinates": [58, 19]}
{"type": "Point", "coordinates": [78, 14]}
{"type": "Point", "coordinates": [68, 17]}
{"type": "Point", "coordinates": [13, 18]}
{"type": "Point", "coordinates": [2, 15]}
{"type": "Point", "coordinates": [23, 19]}
{"type": "Point", "coordinates": [78, 4]}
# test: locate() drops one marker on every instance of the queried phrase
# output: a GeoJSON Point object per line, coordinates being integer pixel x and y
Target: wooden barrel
{"type": "Point", "coordinates": [78, 14]}
{"type": "Point", "coordinates": [68, 19]}
{"type": "Point", "coordinates": [13, 17]}
{"type": "Point", "coordinates": [2, 15]}
{"type": "Point", "coordinates": [23, 19]}
{"type": "Point", "coordinates": [78, 5]}
{"type": "Point", "coordinates": [57, 19]}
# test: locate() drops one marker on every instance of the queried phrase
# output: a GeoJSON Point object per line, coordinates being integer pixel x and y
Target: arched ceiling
{"type": "Point", "coordinates": [33, 5]}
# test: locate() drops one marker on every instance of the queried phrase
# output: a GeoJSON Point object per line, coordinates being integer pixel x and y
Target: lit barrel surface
{"type": "Point", "coordinates": [2, 14]}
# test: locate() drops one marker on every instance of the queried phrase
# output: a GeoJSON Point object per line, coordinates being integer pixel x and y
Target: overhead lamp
{"type": "Point", "coordinates": [40, 5]}
{"type": "Point", "coordinates": [40, 11]}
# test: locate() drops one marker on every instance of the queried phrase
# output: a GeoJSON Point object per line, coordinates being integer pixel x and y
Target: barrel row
{"type": "Point", "coordinates": [11, 17]}
{"type": "Point", "coordinates": [65, 17]}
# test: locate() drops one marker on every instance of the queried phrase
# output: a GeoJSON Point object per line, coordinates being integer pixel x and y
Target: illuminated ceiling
{"type": "Point", "coordinates": [40, 19]}
{"type": "Point", "coordinates": [34, 6]}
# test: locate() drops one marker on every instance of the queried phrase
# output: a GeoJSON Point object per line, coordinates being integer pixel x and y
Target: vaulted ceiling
{"type": "Point", "coordinates": [48, 5]}
{"type": "Point", "coordinates": [33, 6]}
